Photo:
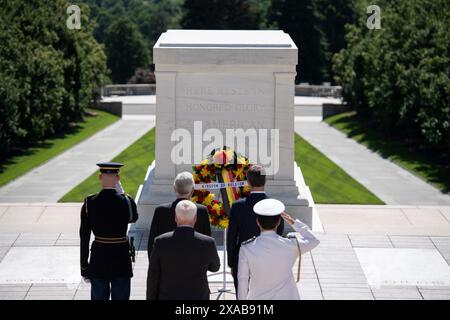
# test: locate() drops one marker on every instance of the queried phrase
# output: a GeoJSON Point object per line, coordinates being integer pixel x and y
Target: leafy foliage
{"type": "Point", "coordinates": [317, 28]}
{"type": "Point", "coordinates": [221, 14]}
{"type": "Point", "coordinates": [47, 72]}
{"type": "Point", "coordinates": [397, 77]}
{"type": "Point", "coordinates": [126, 50]}
{"type": "Point", "coordinates": [129, 29]}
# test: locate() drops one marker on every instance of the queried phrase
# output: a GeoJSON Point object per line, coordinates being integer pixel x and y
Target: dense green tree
{"type": "Point", "coordinates": [317, 26]}
{"type": "Point", "coordinates": [221, 14]}
{"type": "Point", "coordinates": [299, 18]}
{"type": "Point", "coordinates": [156, 19]}
{"type": "Point", "coordinates": [397, 77]}
{"type": "Point", "coordinates": [125, 49]}
{"type": "Point", "coordinates": [47, 72]}
{"type": "Point", "coordinates": [10, 88]}
{"type": "Point", "coordinates": [332, 16]}
{"type": "Point", "coordinates": [318, 29]}
{"type": "Point", "coordinates": [151, 17]}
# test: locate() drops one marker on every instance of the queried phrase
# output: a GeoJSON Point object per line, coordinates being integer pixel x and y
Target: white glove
{"type": "Point", "coordinates": [119, 188]}
{"type": "Point", "coordinates": [86, 280]}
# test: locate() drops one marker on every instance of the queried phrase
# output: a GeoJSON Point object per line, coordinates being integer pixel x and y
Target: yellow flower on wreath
{"type": "Point", "coordinates": [224, 223]}
{"type": "Point", "coordinates": [242, 160]}
{"type": "Point", "coordinates": [239, 174]}
{"type": "Point", "coordinates": [230, 155]}
{"type": "Point", "coordinates": [195, 176]}
{"type": "Point", "coordinates": [216, 207]}
{"type": "Point", "coordinates": [204, 172]}
{"type": "Point", "coordinates": [208, 199]}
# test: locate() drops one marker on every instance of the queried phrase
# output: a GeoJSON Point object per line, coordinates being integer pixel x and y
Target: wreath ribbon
{"type": "Point", "coordinates": [227, 177]}
{"type": "Point", "coordinates": [220, 185]}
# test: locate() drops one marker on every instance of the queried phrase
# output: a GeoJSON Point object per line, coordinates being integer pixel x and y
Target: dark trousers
{"type": "Point", "coordinates": [235, 279]}
{"type": "Point", "coordinates": [118, 289]}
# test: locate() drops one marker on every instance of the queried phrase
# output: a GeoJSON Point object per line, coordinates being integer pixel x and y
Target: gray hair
{"type": "Point", "coordinates": [184, 183]}
{"type": "Point", "coordinates": [186, 211]}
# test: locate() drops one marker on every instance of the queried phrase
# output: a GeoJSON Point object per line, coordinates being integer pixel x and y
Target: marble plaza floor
{"type": "Point", "coordinates": [366, 252]}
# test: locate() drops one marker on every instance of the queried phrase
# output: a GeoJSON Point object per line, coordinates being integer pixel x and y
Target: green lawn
{"type": "Point", "coordinates": [136, 158]}
{"type": "Point", "coordinates": [32, 157]}
{"type": "Point", "coordinates": [327, 181]}
{"type": "Point", "coordinates": [431, 167]}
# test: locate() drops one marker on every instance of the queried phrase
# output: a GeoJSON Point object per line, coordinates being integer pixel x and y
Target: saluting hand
{"type": "Point", "coordinates": [288, 218]}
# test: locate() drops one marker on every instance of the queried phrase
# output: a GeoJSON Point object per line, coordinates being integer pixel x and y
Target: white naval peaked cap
{"type": "Point", "coordinates": [269, 207]}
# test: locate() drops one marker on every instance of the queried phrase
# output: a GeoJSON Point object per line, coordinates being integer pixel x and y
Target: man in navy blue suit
{"type": "Point", "coordinates": [242, 225]}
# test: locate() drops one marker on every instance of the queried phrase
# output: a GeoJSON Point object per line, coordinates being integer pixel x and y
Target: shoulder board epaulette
{"type": "Point", "coordinates": [126, 196]}
{"type": "Point", "coordinates": [91, 195]}
{"type": "Point", "coordinates": [248, 241]}
{"type": "Point", "coordinates": [87, 198]}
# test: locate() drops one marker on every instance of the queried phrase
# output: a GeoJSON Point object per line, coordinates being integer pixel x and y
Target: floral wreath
{"type": "Point", "coordinates": [209, 170]}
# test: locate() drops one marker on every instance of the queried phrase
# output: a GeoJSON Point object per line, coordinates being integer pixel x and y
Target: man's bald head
{"type": "Point", "coordinates": [186, 213]}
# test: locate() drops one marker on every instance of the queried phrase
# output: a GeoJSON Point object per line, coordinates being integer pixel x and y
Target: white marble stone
{"type": "Point", "coordinates": [224, 38]}
{"type": "Point", "coordinates": [403, 267]}
{"type": "Point", "coordinates": [41, 265]}
{"type": "Point", "coordinates": [226, 79]}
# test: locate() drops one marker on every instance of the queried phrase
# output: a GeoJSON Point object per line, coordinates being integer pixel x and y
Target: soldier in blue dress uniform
{"type": "Point", "coordinates": [107, 214]}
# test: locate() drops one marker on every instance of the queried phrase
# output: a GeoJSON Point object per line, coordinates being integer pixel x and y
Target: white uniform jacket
{"type": "Point", "coordinates": [265, 265]}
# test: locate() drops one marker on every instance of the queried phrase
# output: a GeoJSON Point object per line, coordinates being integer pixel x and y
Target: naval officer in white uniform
{"type": "Point", "coordinates": [266, 261]}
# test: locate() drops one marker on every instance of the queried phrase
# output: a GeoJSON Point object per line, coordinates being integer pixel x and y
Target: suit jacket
{"type": "Point", "coordinates": [178, 265]}
{"type": "Point", "coordinates": [242, 226]}
{"type": "Point", "coordinates": [164, 221]}
{"type": "Point", "coordinates": [106, 214]}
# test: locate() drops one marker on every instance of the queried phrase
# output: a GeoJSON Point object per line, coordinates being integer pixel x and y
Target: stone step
{"type": "Point", "coordinates": [138, 109]}
{"type": "Point", "coordinates": [308, 110]}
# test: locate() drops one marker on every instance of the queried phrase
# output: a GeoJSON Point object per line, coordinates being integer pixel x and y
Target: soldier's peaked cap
{"type": "Point", "coordinates": [110, 167]}
{"type": "Point", "coordinates": [269, 207]}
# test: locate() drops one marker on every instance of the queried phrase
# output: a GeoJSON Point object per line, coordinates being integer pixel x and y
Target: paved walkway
{"type": "Point", "coordinates": [398, 253]}
{"type": "Point", "coordinates": [52, 180]}
{"type": "Point", "coordinates": [389, 182]}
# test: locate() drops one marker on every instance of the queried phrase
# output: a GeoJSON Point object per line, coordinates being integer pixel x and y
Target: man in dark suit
{"type": "Point", "coordinates": [242, 225]}
{"type": "Point", "coordinates": [180, 260]}
{"type": "Point", "coordinates": [164, 216]}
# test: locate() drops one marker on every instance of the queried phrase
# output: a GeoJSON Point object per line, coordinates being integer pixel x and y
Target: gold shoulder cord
{"type": "Point", "coordinates": [299, 259]}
